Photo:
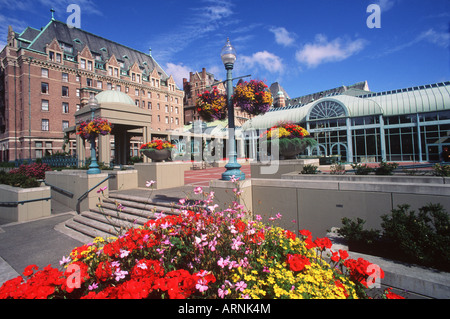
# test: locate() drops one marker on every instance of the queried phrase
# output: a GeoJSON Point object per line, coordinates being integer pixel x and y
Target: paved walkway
{"type": "Point", "coordinates": [202, 177]}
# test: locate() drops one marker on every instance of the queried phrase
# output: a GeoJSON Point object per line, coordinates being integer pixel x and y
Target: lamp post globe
{"type": "Point", "coordinates": [233, 171]}
{"type": "Point", "coordinates": [228, 54]}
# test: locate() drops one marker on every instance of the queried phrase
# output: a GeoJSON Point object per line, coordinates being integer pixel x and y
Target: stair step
{"type": "Point", "coordinates": [86, 230]}
{"type": "Point", "coordinates": [109, 216]}
{"type": "Point", "coordinates": [142, 200]}
{"type": "Point", "coordinates": [136, 211]}
{"type": "Point", "coordinates": [144, 210]}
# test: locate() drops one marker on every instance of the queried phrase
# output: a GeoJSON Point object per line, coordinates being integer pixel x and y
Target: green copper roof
{"type": "Point", "coordinates": [422, 99]}
{"type": "Point", "coordinates": [111, 96]}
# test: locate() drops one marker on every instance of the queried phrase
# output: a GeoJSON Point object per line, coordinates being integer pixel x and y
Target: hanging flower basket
{"type": "Point", "coordinates": [212, 105]}
{"type": "Point", "coordinates": [293, 139]}
{"type": "Point", "coordinates": [253, 97]}
{"type": "Point", "coordinates": [94, 128]}
{"type": "Point", "coordinates": [157, 150]}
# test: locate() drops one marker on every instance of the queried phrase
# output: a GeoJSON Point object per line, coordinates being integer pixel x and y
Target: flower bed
{"type": "Point", "coordinates": [201, 253]}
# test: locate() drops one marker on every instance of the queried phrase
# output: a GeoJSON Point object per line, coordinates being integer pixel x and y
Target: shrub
{"type": "Point", "coordinates": [424, 237]}
{"type": "Point", "coordinates": [355, 233]}
{"type": "Point", "coordinates": [441, 170]}
{"type": "Point", "coordinates": [362, 169]}
{"type": "Point", "coordinates": [421, 238]}
{"type": "Point", "coordinates": [310, 169]}
{"type": "Point", "coordinates": [18, 180]}
{"type": "Point", "coordinates": [35, 170]}
{"type": "Point", "coordinates": [337, 169]}
{"type": "Point", "coordinates": [386, 168]}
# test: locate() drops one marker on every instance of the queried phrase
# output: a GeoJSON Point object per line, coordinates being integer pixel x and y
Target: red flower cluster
{"type": "Point", "coordinates": [341, 255]}
{"type": "Point", "coordinates": [34, 170]}
{"type": "Point", "coordinates": [40, 285]}
{"type": "Point", "coordinates": [297, 262]}
{"type": "Point", "coordinates": [362, 270]}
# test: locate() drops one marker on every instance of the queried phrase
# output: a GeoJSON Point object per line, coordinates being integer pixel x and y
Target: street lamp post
{"type": "Point", "coordinates": [233, 167]}
{"type": "Point", "coordinates": [93, 168]}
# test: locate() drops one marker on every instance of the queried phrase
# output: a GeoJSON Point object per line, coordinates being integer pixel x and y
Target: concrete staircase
{"type": "Point", "coordinates": [108, 221]}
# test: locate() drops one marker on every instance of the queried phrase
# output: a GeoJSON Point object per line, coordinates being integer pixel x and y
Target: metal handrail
{"type": "Point", "coordinates": [15, 204]}
{"type": "Point", "coordinates": [82, 197]}
{"type": "Point", "coordinates": [59, 190]}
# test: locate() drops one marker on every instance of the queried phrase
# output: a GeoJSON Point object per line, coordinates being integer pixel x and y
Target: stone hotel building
{"type": "Point", "coordinates": [47, 74]}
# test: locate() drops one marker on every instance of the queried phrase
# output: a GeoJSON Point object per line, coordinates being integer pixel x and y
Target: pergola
{"type": "Point", "coordinates": [128, 121]}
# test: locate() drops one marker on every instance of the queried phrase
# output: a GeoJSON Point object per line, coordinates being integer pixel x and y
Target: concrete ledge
{"type": "Point", "coordinates": [419, 280]}
{"type": "Point", "coordinates": [76, 182]}
{"type": "Point", "coordinates": [38, 208]}
{"type": "Point", "coordinates": [127, 179]}
{"type": "Point", "coordinates": [370, 178]}
{"type": "Point", "coordinates": [320, 203]}
{"type": "Point", "coordinates": [166, 175]}
{"type": "Point", "coordinates": [275, 169]}
{"type": "Point", "coordinates": [224, 195]}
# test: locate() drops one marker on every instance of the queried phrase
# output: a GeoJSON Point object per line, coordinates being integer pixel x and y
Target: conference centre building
{"type": "Point", "coordinates": [403, 125]}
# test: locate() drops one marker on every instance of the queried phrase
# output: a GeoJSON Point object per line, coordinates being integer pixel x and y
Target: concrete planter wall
{"type": "Point", "coordinates": [77, 183]}
{"type": "Point", "coordinates": [166, 175]}
{"type": "Point", "coordinates": [319, 203]}
{"type": "Point", "coordinates": [123, 180]}
{"type": "Point", "coordinates": [25, 204]}
{"type": "Point", "coordinates": [276, 169]}
{"type": "Point", "coordinates": [415, 280]}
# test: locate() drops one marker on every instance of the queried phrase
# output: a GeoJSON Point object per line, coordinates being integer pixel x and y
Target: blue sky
{"type": "Point", "coordinates": [305, 45]}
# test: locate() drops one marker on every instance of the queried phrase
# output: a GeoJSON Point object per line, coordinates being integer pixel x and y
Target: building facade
{"type": "Point", "coordinates": [404, 125]}
{"type": "Point", "coordinates": [49, 74]}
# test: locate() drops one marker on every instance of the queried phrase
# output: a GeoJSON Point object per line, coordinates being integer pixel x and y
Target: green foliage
{"type": "Point", "coordinates": [441, 170]}
{"type": "Point", "coordinates": [354, 232]}
{"type": "Point", "coordinates": [386, 168]}
{"type": "Point", "coordinates": [310, 169]}
{"type": "Point", "coordinates": [337, 169]}
{"type": "Point", "coordinates": [362, 169]}
{"type": "Point", "coordinates": [18, 180]}
{"type": "Point", "coordinates": [424, 237]}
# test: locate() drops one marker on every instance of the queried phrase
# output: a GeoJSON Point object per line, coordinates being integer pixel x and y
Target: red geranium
{"type": "Point", "coordinates": [297, 262]}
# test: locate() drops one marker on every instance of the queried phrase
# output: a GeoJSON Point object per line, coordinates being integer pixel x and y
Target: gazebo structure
{"type": "Point", "coordinates": [128, 121]}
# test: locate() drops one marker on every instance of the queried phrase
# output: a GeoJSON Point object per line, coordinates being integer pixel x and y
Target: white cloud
{"type": "Point", "coordinates": [282, 36]}
{"type": "Point", "coordinates": [441, 39]}
{"type": "Point", "coordinates": [322, 50]}
{"type": "Point", "coordinates": [264, 59]}
{"type": "Point", "coordinates": [385, 5]}
{"type": "Point", "coordinates": [217, 10]}
{"type": "Point", "coordinates": [5, 22]}
{"type": "Point", "coordinates": [178, 72]}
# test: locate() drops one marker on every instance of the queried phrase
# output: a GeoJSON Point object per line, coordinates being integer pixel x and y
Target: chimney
{"type": "Point", "coordinates": [280, 100]}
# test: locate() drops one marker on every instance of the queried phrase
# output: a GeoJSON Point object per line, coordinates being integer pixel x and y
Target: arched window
{"type": "Point", "coordinates": [327, 109]}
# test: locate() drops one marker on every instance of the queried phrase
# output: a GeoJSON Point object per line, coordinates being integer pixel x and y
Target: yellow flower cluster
{"type": "Point", "coordinates": [279, 133]}
{"type": "Point", "coordinates": [274, 280]}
